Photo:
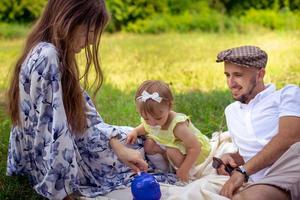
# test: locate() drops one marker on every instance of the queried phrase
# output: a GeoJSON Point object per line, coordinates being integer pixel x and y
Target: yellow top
{"type": "Point", "coordinates": [168, 139]}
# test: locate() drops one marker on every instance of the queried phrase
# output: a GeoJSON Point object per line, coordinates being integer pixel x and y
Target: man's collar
{"type": "Point", "coordinates": [269, 88]}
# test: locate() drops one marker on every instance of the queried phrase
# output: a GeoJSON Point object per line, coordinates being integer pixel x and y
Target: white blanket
{"type": "Point", "coordinates": [207, 185]}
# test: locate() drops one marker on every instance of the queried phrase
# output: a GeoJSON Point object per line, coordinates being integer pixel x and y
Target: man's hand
{"type": "Point", "coordinates": [233, 184]}
{"type": "Point", "coordinates": [227, 159]}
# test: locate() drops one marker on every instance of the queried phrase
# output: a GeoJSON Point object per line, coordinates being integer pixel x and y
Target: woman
{"type": "Point", "coordinates": [58, 138]}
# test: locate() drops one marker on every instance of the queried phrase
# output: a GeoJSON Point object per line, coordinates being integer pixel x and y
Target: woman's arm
{"type": "Point", "coordinates": [130, 157]}
{"type": "Point", "coordinates": [52, 136]}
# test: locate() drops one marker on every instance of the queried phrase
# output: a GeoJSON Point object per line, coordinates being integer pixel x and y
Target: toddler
{"type": "Point", "coordinates": [168, 133]}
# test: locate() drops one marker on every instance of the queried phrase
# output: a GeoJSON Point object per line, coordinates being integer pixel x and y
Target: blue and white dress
{"type": "Point", "coordinates": [57, 161]}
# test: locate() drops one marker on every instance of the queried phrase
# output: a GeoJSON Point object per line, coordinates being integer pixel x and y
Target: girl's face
{"type": "Point", "coordinates": [79, 38]}
{"type": "Point", "coordinates": [160, 118]}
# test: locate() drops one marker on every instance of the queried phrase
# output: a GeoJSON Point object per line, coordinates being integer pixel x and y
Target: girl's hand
{"type": "Point", "coordinates": [131, 137]}
{"type": "Point", "coordinates": [183, 174]}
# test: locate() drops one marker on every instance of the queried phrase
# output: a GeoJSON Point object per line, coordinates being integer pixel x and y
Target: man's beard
{"type": "Point", "coordinates": [244, 98]}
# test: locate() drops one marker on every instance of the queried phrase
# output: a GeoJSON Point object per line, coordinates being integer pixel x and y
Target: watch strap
{"type": "Point", "coordinates": [243, 171]}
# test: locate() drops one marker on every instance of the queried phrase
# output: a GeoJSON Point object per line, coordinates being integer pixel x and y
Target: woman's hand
{"type": "Point", "coordinates": [132, 158]}
{"type": "Point", "coordinates": [68, 198]}
{"type": "Point", "coordinates": [131, 137]}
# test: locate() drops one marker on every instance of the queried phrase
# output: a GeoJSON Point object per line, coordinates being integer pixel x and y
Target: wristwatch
{"type": "Point", "coordinates": [243, 171]}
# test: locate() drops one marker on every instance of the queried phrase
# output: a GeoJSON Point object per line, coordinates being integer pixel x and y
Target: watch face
{"type": "Point", "coordinates": [242, 170]}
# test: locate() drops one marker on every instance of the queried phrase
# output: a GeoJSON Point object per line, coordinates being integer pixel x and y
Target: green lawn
{"type": "Point", "coordinates": [186, 61]}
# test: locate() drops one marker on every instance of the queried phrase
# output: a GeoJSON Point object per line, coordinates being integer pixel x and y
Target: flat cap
{"type": "Point", "coordinates": [247, 56]}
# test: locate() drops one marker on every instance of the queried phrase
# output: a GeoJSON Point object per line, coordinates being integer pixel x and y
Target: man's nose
{"type": "Point", "coordinates": [231, 82]}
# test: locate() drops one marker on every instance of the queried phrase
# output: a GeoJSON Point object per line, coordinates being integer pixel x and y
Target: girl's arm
{"type": "Point", "coordinates": [140, 130]}
{"type": "Point", "coordinates": [190, 141]}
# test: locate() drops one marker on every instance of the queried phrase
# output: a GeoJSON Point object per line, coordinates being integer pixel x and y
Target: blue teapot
{"type": "Point", "coordinates": [145, 187]}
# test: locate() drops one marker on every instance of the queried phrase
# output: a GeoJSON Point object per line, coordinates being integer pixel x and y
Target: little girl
{"type": "Point", "coordinates": [168, 133]}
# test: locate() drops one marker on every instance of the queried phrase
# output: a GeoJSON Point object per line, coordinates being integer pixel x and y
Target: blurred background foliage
{"type": "Point", "coordinates": [20, 10]}
{"type": "Point", "coordinates": [157, 16]}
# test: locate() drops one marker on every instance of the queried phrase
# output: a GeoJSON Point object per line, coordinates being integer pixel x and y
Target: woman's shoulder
{"type": "Point", "coordinates": [40, 56]}
{"type": "Point", "coordinates": [44, 49]}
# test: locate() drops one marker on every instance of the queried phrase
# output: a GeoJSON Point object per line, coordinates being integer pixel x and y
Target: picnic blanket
{"type": "Point", "coordinates": [206, 186]}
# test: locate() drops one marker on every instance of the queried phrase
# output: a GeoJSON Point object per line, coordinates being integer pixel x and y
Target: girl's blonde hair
{"type": "Point", "coordinates": [150, 106]}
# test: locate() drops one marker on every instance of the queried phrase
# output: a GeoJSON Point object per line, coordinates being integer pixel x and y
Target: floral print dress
{"type": "Point", "coordinates": [58, 162]}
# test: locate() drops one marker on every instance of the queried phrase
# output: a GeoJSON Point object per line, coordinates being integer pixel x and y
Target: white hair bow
{"type": "Point", "coordinates": [145, 96]}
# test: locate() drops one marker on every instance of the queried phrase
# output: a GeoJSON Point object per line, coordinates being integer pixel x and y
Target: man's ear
{"type": "Point", "coordinates": [261, 74]}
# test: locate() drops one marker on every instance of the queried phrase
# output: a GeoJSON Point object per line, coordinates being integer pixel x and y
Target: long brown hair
{"type": "Point", "coordinates": [57, 25]}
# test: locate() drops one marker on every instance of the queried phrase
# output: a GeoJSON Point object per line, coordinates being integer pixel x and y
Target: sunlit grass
{"type": "Point", "coordinates": [9, 52]}
{"type": "Point", "coordinates": [188, 60]}
{"type": "Point", "coordinates": [185, 60]}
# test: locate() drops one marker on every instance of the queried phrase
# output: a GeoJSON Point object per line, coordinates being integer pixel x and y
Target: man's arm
{"type": "Point", "coordinates": [288, 134]}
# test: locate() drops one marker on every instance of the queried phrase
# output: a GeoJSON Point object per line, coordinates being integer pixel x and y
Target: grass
{"type": "Point", "coordinates": [13, 30]}
{"type": "Point", "coordinates": [186, 61]}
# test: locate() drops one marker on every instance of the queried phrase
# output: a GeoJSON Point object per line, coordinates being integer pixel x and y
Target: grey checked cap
{"type": "Point", "coordinates": [247, 56]}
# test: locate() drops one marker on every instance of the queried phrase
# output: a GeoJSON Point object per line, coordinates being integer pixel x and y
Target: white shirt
{"type": "Point", "coordinates": [254, 124]}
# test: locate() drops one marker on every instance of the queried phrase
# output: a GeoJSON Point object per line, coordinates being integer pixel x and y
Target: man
{"type": "Point", "coordinates": [265, 126]}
